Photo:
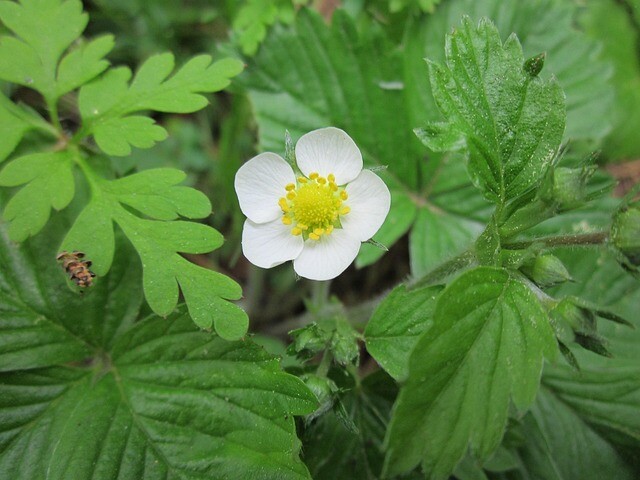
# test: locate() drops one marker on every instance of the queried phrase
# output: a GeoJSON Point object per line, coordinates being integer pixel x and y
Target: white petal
{"type": "Point", "coordinates": [369, 201]}
{"type": "Point", "coordinates": [328, 257]}
{"type": "Point", "coordinates": [269, 244]}
{"type": "Point", "coordinates": [329, 150]}
{"type": "Point", "coordinates": [260, 184]}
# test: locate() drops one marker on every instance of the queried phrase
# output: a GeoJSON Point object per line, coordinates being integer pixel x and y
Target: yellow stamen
{"type": "Point", "coordinates": [333, 186]}
{"type": "Point", "coordinates": [286, 220]}
{"type": "Point", "coordinates": [344, 210]}
{"type": "Point", "coordinates": [290, 187]}
{"type": "Point", "coordinates": [329, 229]}
{"type": "Point", "coordinates": [344, 195]}
{"type": "Point", "coordinates": [331, 177]}
{"type": "Point", "coordinates": [303, 226]}
{"type": "Point", "coordinates": [302, 180]}
{"type": "Point", "coordinates": [321, 180]}
{"type": "Point", "coordinates": [284, 205]}
{"type": "Point", "coordinates": [291, 195]}
{"type": "Point", "coordinates": [318, 231]}
{"type": "Point", "coordinates": [313, 236]}
{"type": "Point", "coordinates": [314, 175]}
{"type": "Point", "coordinates": [296, 231]}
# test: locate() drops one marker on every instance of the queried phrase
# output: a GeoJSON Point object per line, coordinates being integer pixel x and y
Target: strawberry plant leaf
{"type": "Point", "coordinates": [397, 325]}
{"type": "Point", "coordinates": [486, 345]}
{"type": "Point", "coordinates": [70, 361]}
{"type": "Point", "coordinates": [512, 121]}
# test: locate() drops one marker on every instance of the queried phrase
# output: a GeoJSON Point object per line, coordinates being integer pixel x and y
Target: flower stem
{"type": "Point", "coordinates": [581, 239]}
{"type": "Point", "coordinates": [320, 294]}
{"type": "Point", "coordinates": [325, 363]}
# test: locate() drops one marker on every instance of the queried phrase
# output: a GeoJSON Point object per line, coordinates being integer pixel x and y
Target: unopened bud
{"type": "Point", "coordinates": [625, 234]}
{"type": "Point", "coordinates": [546, 270]}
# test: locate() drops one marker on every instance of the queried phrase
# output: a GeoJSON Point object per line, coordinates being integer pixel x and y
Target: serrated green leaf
{"type": "Point", "coordinates": [107, 103]}
{"type": "Point", "coordinates": [142, 391]}
{"type": "Point", "coordinates": [31, 58]}
{"type": "Point", "coordinates": [12, 127]}
{"type": "Point", "coordinates": [360, 455]}
{"type": "Point", "coordinates": [50, 184]}
{"type": "Point", "coordinates": [486, 345]}
{"type": "Point", "coordinates": [542, 26]}
{"type": "Point", "coordinates": [397, 325]}
{"type": "Point", "coordinates": [142, 417]}
{"type": "Point", "coordinates": [512, 122]}
{"type": "Point", "coordinates": [311, 75]}
{"type": "Point", "coordinates": [42, 322]}
{"type": "Point", "coordinates": [252, 21]}
{"type": "Point", "coordinates": [437, 236]}
{"type": "Point", "coordinates": [554, 437]}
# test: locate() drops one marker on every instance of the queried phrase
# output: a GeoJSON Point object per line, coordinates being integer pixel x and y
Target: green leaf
{"type": "Point", "coordinates": [486, 345]}
{"type": "Point", "coordinates": [427, 6]}
{"type": "Point", "coordinates": [141, 416]}
{"type": "Point", "coordinates": [255, 16]}
{"type": "Point", "coordinates": [49, 184]}
{"type": "Point", "coordinates": [610, 23]}
{"type": "Point", "coordinates": [13, 126]}
{"type": "Point", "coordinates": [107, 103]}
{"type": "Point", "coordinates": [31, 58]}
{"type": "Point", "coordinates": [399, 220]}
{"type": "Point", "coordinates": [559, 445]}
{"type": "Point", "coordinates": [83, 64]}
{"type": "Point", "coordinates": [155, 194]}
{"type": "Point", "coordinates": [311, 75]}
{"type": "Point", "coordinates": [512, 122]}
{"type": "Point", "coordinates": [358, 426]}
{"type": "Point", "coordinates": [437, 236]}
{"type": "Point", "coordinates": [153, 398]}
{"type": "Point", "coordinates": [42, 322]}
{"type": "Point", "coordinates": [542, 26]}
{"type": "Point", "coordinates": [396, 326]}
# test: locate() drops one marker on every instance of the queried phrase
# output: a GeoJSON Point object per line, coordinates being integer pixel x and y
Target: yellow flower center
{"type": "Point", "coordinates": [313, 206]}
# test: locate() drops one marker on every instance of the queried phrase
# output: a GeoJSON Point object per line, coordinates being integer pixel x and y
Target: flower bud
{"type": "Point", "coordinates": [625, 234]}
{"type": "Point", "coordinates": [324, 389]}
{"type": "Point", "coordinates": [569, 188]}
{"type": "Point", "coordinates": [546, 270]}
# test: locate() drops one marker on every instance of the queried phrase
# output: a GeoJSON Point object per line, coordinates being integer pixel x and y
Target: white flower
{"type": "Point", "coordinates": [319, 218]}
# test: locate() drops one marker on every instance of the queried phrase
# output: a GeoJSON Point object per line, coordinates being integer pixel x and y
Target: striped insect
{"type": "Point", "coordinates": [78, 269]}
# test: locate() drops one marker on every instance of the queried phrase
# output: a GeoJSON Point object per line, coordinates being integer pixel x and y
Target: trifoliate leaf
{"type": "Point", "coordinates": [155, 194]}
{"type": "Point", "coordinates": [107, 103]}
{"type": "Point", "coordinates": [486, 345]}
{"type": "Point", "coordinates": [397, 325]}
{"type": "Point", "coordinates": [44, 30]}
{"type": "Point", "coordinates": [512, 122]}
{"type": "Point", "coordinates": [49, 184]}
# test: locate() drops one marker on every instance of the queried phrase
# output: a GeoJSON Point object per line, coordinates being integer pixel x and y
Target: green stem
{"type": "Point", "coordinates": [443, 271]}
{"type": "Point", "coordinates": [325, 363]}
{"type": "Point", "coordinates": [52, 106]}
{"type": "Point", "coordinates": [320, 294]}
{"type": "Point", "coordinates": [581, 239]}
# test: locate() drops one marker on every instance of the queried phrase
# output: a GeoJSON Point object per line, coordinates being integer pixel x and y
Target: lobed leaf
{"type": "Point", "coordinates": [44, 30]}
{"type": "Point", "coordinates": [512, 121]}
{"type": "Point", "coordinates": [486, 345]}
{"type": "Point", "coordinates": [49, 184]}
{"type": "Point", "coordinates": [155, 194]}
{"type": "Point", "coordinates": [107, 103]}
